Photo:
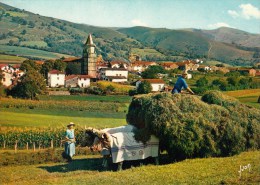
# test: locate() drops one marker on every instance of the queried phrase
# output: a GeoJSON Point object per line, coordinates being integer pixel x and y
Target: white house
{"type": "Point", "coordinates": [5, 67]}
{"type": "Point", "coordinates": [114, 74]}
{"type": "Point", "coordinates": [119, 64]}
{"type": "Point", "coordinates": [77, 81]}
{"type": "Point", "coordinates": [157, 84]}
{"type": "Point", "coordinates": [56, 78]}
{"type": "Point", "coordinates": [7, 79]}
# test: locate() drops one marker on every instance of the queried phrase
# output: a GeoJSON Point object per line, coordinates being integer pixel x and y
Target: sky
{"type": "Point", "coordinates": [172, 14]}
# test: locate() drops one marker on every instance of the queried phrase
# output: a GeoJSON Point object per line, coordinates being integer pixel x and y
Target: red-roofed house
{"type": "Point", "coordinates": [56, 78]}
{"type": "Point", "coordinates": [157, 84]}
{"type": "Point", "coordinates": [119, 64]}
{"type": "Point", "coordinates": [169, 65]}
{"type": "Point", "coordinates": [4, 67]}
{"type": "Point", "coordinates": [141, 65]}
{"type": "Point", "coordinates": [77, 81]}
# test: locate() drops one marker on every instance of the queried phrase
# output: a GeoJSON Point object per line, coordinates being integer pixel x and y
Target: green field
{"type": "Point", "coordinates": [11, 59]}
{"type": "Point", "coordinates": [122, 99]}
{"type": "Point", "coordinates": [27, 52]}
{"type": "Point", "coordinates": [56, 118]}
{"type": "Point", "coordinates": [87, 170]}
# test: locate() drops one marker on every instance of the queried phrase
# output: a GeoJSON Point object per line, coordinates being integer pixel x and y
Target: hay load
{"type": "Point", "coordinates": [189, 126]}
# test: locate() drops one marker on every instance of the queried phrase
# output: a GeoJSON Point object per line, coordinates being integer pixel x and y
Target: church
{"type": "Point", "coordinates": [87, 65]}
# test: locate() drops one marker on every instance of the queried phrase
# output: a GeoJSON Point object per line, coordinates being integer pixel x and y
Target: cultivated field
{"type": "Point", "coordinates": [108, 111]}
{"type": "Point", "coordinates": [248, 96]}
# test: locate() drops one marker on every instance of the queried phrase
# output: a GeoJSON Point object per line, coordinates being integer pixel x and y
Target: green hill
{"type": "Point", "coordinates": [21, 28]}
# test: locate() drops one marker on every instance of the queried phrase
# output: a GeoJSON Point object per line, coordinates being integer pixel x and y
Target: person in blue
{"type": "Point", "coordinates": [181, 84]}
{"type": "Point", "coordinates": [70, 141]}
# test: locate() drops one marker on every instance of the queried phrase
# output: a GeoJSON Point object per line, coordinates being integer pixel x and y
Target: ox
{"type": "Point", "coordinates": [119, 143]}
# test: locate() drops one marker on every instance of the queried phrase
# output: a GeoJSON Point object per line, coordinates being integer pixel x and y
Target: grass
{"type": "Point", "coordinates": [11, 59]}
{"type": "Point", "coordinates": [111, 98]}
{"type": "Point", "coordinates": [248, 96]}
{"type": "Point", "coordinates": [27, 52]}
{"type": "Point", "coordinates": [87, 170]}
{"type": "Point", "coordinates": [56, 118]}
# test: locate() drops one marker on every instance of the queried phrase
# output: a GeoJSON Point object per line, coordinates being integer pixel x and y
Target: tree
{"type": "Point", "coordinates": [220, 83]}
{"type": "Point", "coordinates": [2, 89]}
{"type": "Point", "coordinates": [28, 65]}
{"type": "Point", "coordinates": [152, 72]}
{"type": "Point", "coordinates": [232, 80]}
{"type": "Point", "coordinates": [46, 67]}
{"type": "Point", "coordinates": [31, 84]}
{"type": "Point", "coordinates": [202, 82]}
{"type": "Point", "coordinates": [59, 65]}
{"type": "Point", "coordinates": [144, 87]}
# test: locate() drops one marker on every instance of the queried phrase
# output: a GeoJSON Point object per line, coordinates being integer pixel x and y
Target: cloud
{"type": "Point", "coordinates": [249, 11]}
{"type": "Point", "coordinates": [218, 25]}
{"type": "Point", "coordinates": [233, 13]}
{"type": "Point", "coordinates": [137, 22]}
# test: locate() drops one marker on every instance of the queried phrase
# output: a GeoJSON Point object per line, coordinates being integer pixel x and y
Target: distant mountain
{"type": "Point", "coordinates": [190, 44]}
{"type": "Point", "coordinates": [232, 36]}
{"type": "Point", "coordinates": [24, 29]}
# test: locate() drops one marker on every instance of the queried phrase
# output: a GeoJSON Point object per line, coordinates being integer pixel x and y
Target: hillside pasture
{"type": "Point", "coordinates": [27, 52]}
{"type": "Point", "coordinates": [10, 59]}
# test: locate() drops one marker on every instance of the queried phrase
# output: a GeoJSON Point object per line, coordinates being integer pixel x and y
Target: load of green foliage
{"type": "Point", "coordinates": [190, 126]}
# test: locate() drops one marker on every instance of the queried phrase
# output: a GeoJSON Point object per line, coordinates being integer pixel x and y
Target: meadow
{"type": "Point", "coordinates": [45, 166]}
{"type": "Point", "coordinates": [33, 53]}
{"type": "Point", "coordinates": [87, 170]}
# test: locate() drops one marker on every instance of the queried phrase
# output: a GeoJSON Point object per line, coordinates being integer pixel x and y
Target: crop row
{"type": "Point", "coordinates": [65, 105]}
{"type": "Point", "coordinates": [42, 138]}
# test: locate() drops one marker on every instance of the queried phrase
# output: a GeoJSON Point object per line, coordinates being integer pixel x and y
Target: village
{"type": "Point", "coordinates": [93, 68]}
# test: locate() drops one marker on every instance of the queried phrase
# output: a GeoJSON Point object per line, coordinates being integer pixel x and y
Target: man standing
{"type": "Point", "coordinates": [181, 84]}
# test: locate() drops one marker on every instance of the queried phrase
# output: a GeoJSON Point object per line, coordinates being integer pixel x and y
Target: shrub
{"type": "Point", "coordinates": [189, 127]}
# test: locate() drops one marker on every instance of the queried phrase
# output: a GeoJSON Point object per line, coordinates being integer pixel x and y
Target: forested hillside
{"type": "Point", "coordinates": [21, 28]}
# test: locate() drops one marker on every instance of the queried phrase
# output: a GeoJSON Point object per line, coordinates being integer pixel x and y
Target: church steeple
{"type": "Point", "coordinates": [88, 65]}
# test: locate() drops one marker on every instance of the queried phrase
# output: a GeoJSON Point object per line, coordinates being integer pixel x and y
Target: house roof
{"type": "Point", "coordinates": [186, 62]}
{"type": "Point", "coordinates": [16, 66]}
{"type": "Point", "coordinates": [142, 63]}
{"type": "Point", "coordinates": [154, 81]}
{"type": "Point", "coordinates": [3, 65]}
{"type": "Point", "coordinates": [71, 59]}
{"type": "Point", "coordinates": [168, 64]}
{"type": "Point", "coordinates": [114, 69]}
{"type": "Point", "coordinates": [56, 72]}
{"type": "Point", "coordinates": [117, 62]}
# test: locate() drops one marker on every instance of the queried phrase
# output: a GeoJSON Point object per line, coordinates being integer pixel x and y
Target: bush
{"type": "Point", "coordinates": [189, 127]}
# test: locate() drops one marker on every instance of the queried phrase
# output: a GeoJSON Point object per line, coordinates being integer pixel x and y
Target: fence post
{"type": "Point", "coordinates": [52, 143]}
{"type": "Point", "coordinates": [15, 146]}
{"type": "Point", "coordinates": [27, 146]}
{"type": "Point", "coordinates": [34, 146]}
{"type": "Point", "coordinates": [60, 143]}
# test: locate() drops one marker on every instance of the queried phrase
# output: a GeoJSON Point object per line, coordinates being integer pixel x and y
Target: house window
{"type": "Point", "coordinates": [58, 78]}
{"type": "Point", "coordinates": [3, 79]}
{"type": "Point", "coordinates": [160, 87]}
{"type": "Point", "coordinates": [82, 84]}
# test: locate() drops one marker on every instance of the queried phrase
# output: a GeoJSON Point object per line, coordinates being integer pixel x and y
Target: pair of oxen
{"type": "Point", "coordinates": [119, 143]}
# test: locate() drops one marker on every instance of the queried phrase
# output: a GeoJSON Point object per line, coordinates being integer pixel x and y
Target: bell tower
{"type": "Point", "coordinates": [89, 59]}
